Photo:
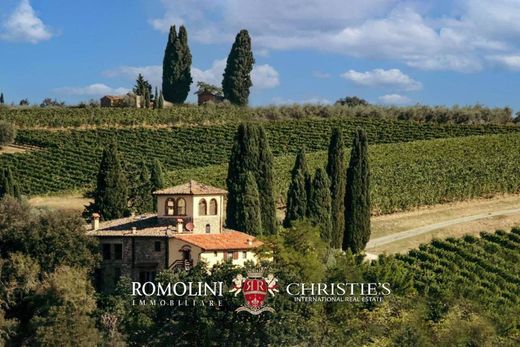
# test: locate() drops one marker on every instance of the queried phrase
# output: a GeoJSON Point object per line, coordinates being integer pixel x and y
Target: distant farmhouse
{"type": "Point", "coordinates": [128, 100]}
{"type": "Point", "coordinates": [208, 93]}
{"type": "Point", "coordinates": [187, 228]}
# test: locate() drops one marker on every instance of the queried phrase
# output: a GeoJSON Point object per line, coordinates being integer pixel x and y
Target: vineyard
{"type": "Point", "coordinates": [69, 159]}
{"type": "Point", "coordinates": [484, 269]}
{"type": "Point", "coordinates": [59, 117]}
{"type": "Point", "coordinates": [431, 172]}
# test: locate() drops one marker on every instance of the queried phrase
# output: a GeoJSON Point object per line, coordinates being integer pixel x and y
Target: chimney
{"type": "Point", "coordinates": [95, 221]}
{"type": "Point", "coordinates": [180, 225]}
{"type": "Point", "coordinates": [249, 241]}
{"type": "Point", "coordinates": [134, 230]}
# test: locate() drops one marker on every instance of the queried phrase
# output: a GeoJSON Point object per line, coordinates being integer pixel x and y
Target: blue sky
{"type": "Point", "coordinates": [386, 51]}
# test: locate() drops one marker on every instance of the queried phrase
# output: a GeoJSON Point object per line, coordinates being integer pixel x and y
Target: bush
{"type": "Point", "coordinates": [7, 133]}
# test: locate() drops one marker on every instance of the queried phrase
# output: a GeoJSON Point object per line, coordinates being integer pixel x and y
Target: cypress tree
{"type": "Point", "coordinates": [248, 209]}
{"type": "Point", "coordinates": [156, 179]}
{"type": "Point", "coordinates": [1, 98]}
{"type": "Point", "coordinates": [296, 204]}
{"type": "Point", "coordinates": [243, 158]}
{"type": "Point", "coordinates": [335, 170]}
{"type": "Point", "coordinates": [296, 200]}
{"type": "Point", "coordinates": [147, 99]}
{"type": "Point", "coordinates": [160, 102]}
{"type": "Point", "coordinates": [8, 184]}
{"type": "Point", "coordinates": [357, 197]}
{"type": "Point", "coordinates": [170, 57]}
{"type": "Point", "coordinates": [142, 194]}
{"type": "Point", "coordinates": [237, 75]}
{"type": "Point", "coordinates": [264, 178]}
{"type": "Point", "coordinates": [177, 67]}
{"type": "Point", "coordinates": [111, 194]}
{"type": "Point", "coordinates": [320, 204]}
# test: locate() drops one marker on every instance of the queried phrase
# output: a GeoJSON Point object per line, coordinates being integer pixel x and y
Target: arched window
{"type": "Point", "coordinates": [170, 207]}
{"type": "Point", "coordinates": [213, 207]}
{"type": "Point", "coordinates": [181, 207]}
{"type": "Point", "coordinates": [208, 228]}
{"type": "Point", "coordinates": [203, 207]}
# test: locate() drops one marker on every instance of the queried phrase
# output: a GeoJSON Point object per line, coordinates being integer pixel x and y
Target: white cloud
{"type": "Point", "coordinates": [392, 78]}
{"type": "Point", "coordinates": [511, 62]}
{"type": "Point", "coordinates": [96, 89]}
{"type": "Point", "coordinates": [263, 76]}
{"type": "Point", "coordinates": [25, 26]}
{"type": "Point", "coordinates": [429, 36]}
{"type": "Point", "coordinates": [395, 99]}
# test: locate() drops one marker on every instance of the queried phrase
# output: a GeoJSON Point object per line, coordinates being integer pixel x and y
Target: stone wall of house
{"type": "Point", "coordinates": [138, 254]}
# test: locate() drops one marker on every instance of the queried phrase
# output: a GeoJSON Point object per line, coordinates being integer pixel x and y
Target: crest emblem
{"type": "Point", "coordinates": [256, 289]}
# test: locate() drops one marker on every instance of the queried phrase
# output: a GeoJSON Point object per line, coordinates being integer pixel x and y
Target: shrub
{"type": "Point", "coordinates": [7, 133]}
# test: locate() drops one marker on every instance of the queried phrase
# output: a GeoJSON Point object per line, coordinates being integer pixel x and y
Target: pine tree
{"type": "Point", "coordinates": [142, 86]}
{"type": "Point", "coordinates": [357, 197]}
{"type": "Point", "coordinates": [177, 67]}
{"type": "Point", "coordinates": [335, 170]}
{"type": "Point", "coordinates": [243, 158]}
{"type": "Point", "coordinates": [156, 179]}
{"type": "Point", "coordinates": [237, 75]}
{"type": "Point", "coordinates": [296, 204]}
{"type": "Point", "coordinates": [142, 191]}
{"type": "Point", "coordinates": [320, 204]}
{"type": "Point", "coordinates": [111, 194]}
{"type": "Point", "coordinates": [248, 209]}
{"type": "Point", "coordinates": [264, 179]}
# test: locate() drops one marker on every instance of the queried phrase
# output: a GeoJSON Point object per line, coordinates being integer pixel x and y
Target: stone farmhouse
{"type": "Point", "coordinates": [187, 228]}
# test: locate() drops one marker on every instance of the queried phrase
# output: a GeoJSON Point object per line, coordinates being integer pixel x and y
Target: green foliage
{"type": "Point", "coordinates": [296, 205]}
{"type": "Point", "coordinates": [141, 198]}
{"type": "Point", "coordinates": [337, 176]}
{"type": "Point", "coordinates": [248, 209]}
{"type": "Point", "coordinates": [357, 196]}
{"type": "Point", "coordinates": [52, 238]}
{"type": "Point", "coordinates": [111, 194]}
{"type": "Point", "coordinates": [320, 205]}
{"type": "Point", "coordinates": [264, 176]}
{"type": "Point", "coordinates": [7, 133]}
{"type": "Point", "coordinates": [177, 67]}
{"type": "Point", "coordinates": [156, 179]}
{"type": "Point", "coordinates": [204, 87]}
{"type": "Point", "coordinates": [352, 101]}
{"type": "Point", "coordinates": [237, 75]}
{"type": "Point", "coordinates": [2, 101]}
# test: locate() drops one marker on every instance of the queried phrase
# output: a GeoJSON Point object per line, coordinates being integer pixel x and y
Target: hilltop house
{"type": "Point", "coordinates": [128, 100]}
{"type": "Point", "coordinates": [187, 228]}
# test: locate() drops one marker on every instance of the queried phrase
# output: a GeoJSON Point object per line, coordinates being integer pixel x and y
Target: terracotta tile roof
{"type": "Point", "coordinates": [228, 240]}
{"type": "Point", "coordinates": [145, 225]}
{"type": "Point", "coordinates": [191, 188]}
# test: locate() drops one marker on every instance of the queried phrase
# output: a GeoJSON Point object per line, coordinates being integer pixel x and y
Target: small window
{"type": "Point", "coordinates": [170, 207]}
{"type": "Point", "coordinates": [208, 228]}
{"type": "Point", "coordinates": [203, 207]}
{"type": "Point", "coordinates": [146, 276]}
{"type": "Point", "coordinates": [215, 254]}
{"type": "Point", "coordinates": [229, 255]}
{"type": "Point", "coordinates": [235, 255]}
{"type": "Point", "coordinates": [213, 207]}
{"type": "Point", "coordinates": [244, 254]}
{"type": "Point", "coordinates": [106, 251]}
{"type": "Point", "coordinates": [118, 251]}
{"type": "Point", "coordinates": [157, 246]}
{"type": "Point", "coordinates": [181, 207]}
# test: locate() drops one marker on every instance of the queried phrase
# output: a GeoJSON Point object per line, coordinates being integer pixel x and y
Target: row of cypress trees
{"type": "Point", "coordinates": [176, 79]}
{"type": "Point", "coordinates": [8, 184]}
{"type": "Point", "coordinates": [335, 200]}
{"type": "Point", "coordinates": [251, 205]}
{"type": "Point", "coordinates": [117, 193]}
